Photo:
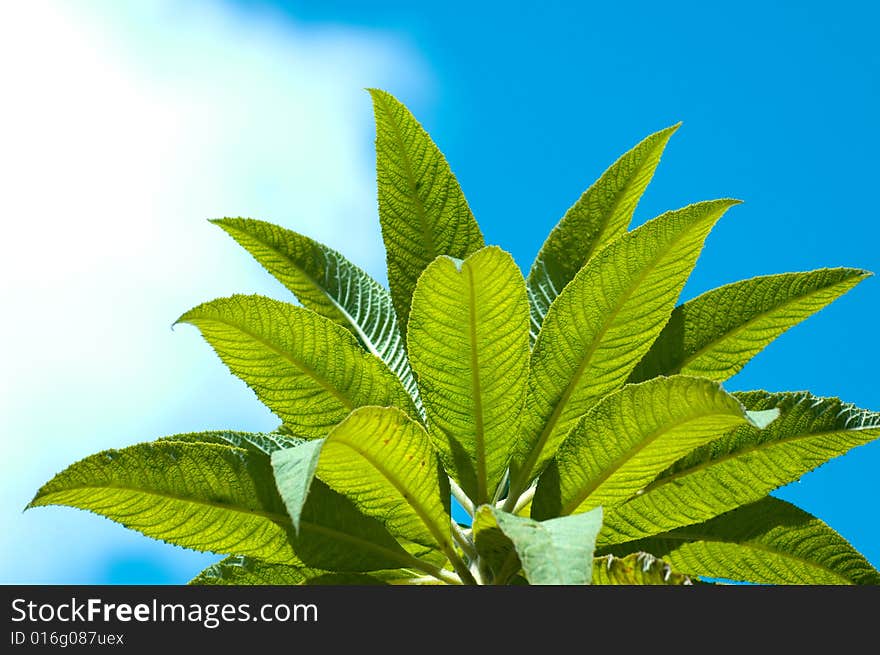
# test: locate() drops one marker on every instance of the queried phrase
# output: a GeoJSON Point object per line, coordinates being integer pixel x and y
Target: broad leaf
{"type": "Point", "coordinates": [308, 370]}
{"type": "Point", "coordinates": [602, 324]}
{"type": "Point", "coordinates": [468, 342]}
{"type": "Point", "coordinates": [383, 461]}
{"type": "Point", "coordinates": [554, 552]}
{"type": "Point", "coordinates": [238, 570]}
{"type": "Point", "coordinates": [327, 283]}
{"type": "Point", "coordinates": [769, 541]}
{"type": "Point", "coordinates": [635, 569]}
{"type": "Point", "coordinates": [422, 209]}
{"type": "Point", "coordinates": [717, 333]}
{"type": "Point", "coordinates": [745, 465]}
{"type": "Point", "coordinates": [264, 443]}
{"type": "Point", "coordinates": [601, 215]}
{"type": "Point", "coordinates": [631, 436]}
{"type": "Point", "coordinates": [338, 536]}
{"type": "Point", "coordinates": [203, 496]}
{"type": "Point", "coordinates": [335, 535]}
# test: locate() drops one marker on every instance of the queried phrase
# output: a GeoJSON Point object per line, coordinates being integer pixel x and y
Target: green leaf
{"type": "Point", "coordinates": [602, 324]}
{"type": "Point", "coordinates": [306, 369]}
{"type": "Point", "coordinates": [264, 443]}
{"type": "Point", "coordinates": [422, 209]}
{"type": "Point", "coordinates": [769, 542]}
{"type": "Point", "coordinates": [631, 436]}
{"type": "Point", "coordinates": [383, 461]}
{"type": "Point", "coordinates": [745, 465]}
{"type": "Point", "coordinates": [337, 536]}
{"type": "Point", "coordinates": [326, 282]}
{"type": "Point", "coordinates": [202, 496]}
{"type": "Point", "coordinates": [635, 569]}
{"type": "Point", "coordinates": [554, 552]}
{"type": "Point", "coordinates": [239, 570]}
{"type": "Point", "coordinates": [717, 333]}
{"type": "Point", "coordinates": [601, 215]}
{"type": "Point", "coordinates": [468, 342]}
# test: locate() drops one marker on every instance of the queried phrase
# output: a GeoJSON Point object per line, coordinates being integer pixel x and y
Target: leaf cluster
{"type": "Point", "coordinates": [577, 413]}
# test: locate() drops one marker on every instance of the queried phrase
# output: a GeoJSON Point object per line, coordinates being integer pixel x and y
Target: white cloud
{"type": "Point", "coordinates": [123, 127]}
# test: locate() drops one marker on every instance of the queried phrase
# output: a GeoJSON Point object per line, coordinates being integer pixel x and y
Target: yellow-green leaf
{"type": "Point", "coordinates": [468, 342]}
{"type": "Point", "coordinates": [203, 496]}
{"type": "Point", "coordinates": [636, 569]}
{"type": "Point", "coordinates": [744, 465]}
{"type": "Point", "coordinates": [770, 541]}
{"type": "Point", "coordinates": [716, 334]}
{"type": "Point", "coordinates": [601, 215]}
{"type": "Point", "coordinates": [384, 463]}
{"type": "Point", "coordinates": [305, 368]}
{"type": "Point", "coordinates": [629, 437]}
{"type": "Point", "coordinates": [326, 282]}
{"type": "Point", "coordinates": [422, 210]}
{"type": "Point", "coordinates": [602, 324]}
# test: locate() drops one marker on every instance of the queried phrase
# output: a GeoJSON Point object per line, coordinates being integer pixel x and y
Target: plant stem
{"type": "Point", "coordinates": [463, 540]}
{"type": "Point", "coordinates": [447, 576]}
{"type": "Point", "coordinates": [525, 499]}
{"type": "Point", "coordinates": [475, 571]}
{"type": "Point", "coordinates": [512, 498]}
{"type": "Point", "coordinates": [459, 494]}
{"type": "Point", "coordinates": [464, 573]}
{"type": "Point", "coordinates": [440, 574]}
{"type": "Point", "coordinates": [501, 485]}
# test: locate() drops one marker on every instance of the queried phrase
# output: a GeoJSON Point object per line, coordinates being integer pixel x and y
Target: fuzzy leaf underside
{"type": "Point", "coordinates": [262, 443]}
{"type": "Point", "coordinates": [309, 371]}
{"type": "Point", "coordinates": [631, 436]}
{"type": "Point", "coordinates": [422, 210]}
{"type": "Point", "coordinates": [554, 552]}
{"type": "Point", "coordinates": [716, 334]}
{"type": "Point", "coordinates": [207, 497]}
{"type": "Point", "coordinates": [468, 342]}
{"type": "Point", "coordinates": [745, 465]}
{"type": "Point", "coordinates": [323, 280]}
{"type": "Point", "coordinates": [636, 569]}
{"type": "Point", "coordinates": [599, 216]}
{"type": "Point", "coordinates": [604, 321]}
{"type": "Point", "coordinates": [384, 463]}
{"type": "Point", "coordinates": [770, 542]}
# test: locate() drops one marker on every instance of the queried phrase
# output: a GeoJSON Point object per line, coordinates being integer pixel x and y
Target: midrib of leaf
{"type": "Point", "coordinates": [427, 233]}
{"type": "Point", "coordinates": [482, 492]}
{"type": "Point", "coordinates": [348, 317]}
{"type": "Point", "coordinates": [300, 365]}
{"type": "Point", "coordinates": [629, 455]}
{"type": "Point", "coordinates": [730, 334]}
{"type": "Point", "coordinates": [569, 389]}
{"type": "Point", "coordinates": [689, 537]}
{"type": "Point", "coordinates": [398, 485]}
{"type": "Point", "coordinates": [745, 451]}
{"type": "Point", "coordinates": [272, 516]}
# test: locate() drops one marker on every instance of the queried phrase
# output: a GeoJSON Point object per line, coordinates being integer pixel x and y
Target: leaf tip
{"type": "Point", "coordinates": [672, 129]}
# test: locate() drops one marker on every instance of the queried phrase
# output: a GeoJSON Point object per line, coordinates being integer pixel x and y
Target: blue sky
{"type": "Point", "coordinates": [133, 124]}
